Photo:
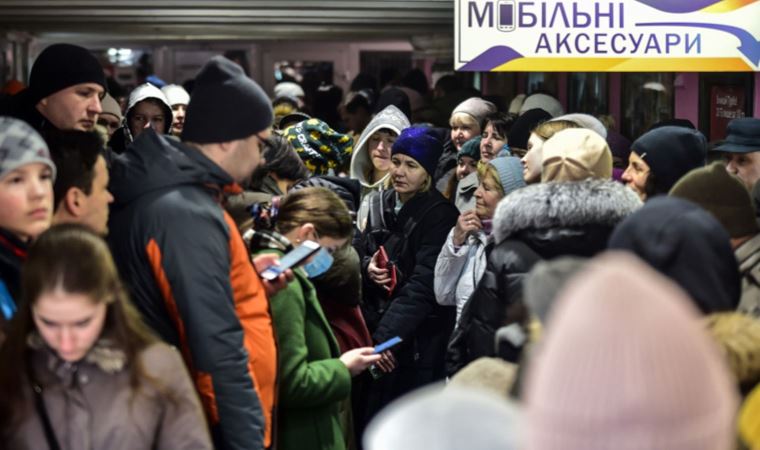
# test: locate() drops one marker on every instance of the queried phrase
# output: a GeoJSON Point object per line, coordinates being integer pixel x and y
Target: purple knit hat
{"type": "Point", "coordinates": [421, 144]}
{"type": "Point", "coordinates": [626, 364]}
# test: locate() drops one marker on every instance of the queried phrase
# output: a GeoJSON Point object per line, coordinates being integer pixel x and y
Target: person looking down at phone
{"type": "Point", "coordinates": [314, 377]}
{"type": "Point", "coordinates": [462, 260]}
{"type": "Point", "coordinates": [410, 222]}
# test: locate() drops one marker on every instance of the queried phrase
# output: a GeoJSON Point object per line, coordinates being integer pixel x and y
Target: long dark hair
{"type": "Point", "coordinates": [72, 258]}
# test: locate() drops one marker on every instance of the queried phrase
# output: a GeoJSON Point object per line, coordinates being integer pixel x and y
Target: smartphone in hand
{"type": "Point", "coordinates": [294, 258]}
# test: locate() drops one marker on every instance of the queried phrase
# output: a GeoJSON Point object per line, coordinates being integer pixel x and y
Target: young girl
{"type": "Point", "coordinates": [315, 378]}
{"type": "Point", "coordinates": [79, 369]}
{"type": "Point", "coordinates": [26, 204]}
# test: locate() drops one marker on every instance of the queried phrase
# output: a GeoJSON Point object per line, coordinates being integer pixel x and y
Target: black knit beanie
{"type": "Point", "coordinates": [60, 66]}
{"type": "Point", "coordinates": [671, 152]}
{"type": "Point", "coordinates": [225, 105]}
{"type": "Point", "coordinates": [524, 125]}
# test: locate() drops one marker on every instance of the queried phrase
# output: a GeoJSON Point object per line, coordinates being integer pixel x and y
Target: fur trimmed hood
{"type": "Point", "coordinates": [574, 204]}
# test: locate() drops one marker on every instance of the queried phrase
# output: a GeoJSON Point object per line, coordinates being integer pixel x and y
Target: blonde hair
{"type": "Point", "coordinates": [486, 170]}
{"type": "Point", "coordinates": [546, 130]}
{"type": "Point", "coordinates": [460, 118]}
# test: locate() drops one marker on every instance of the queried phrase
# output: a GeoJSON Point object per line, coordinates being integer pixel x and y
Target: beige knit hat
{"type": "Point", "coordinates": [626, 364]}
{"type": "Point", "coordinates": [576, 154]}
{"type": "Point", "coordinates": [475, 107]}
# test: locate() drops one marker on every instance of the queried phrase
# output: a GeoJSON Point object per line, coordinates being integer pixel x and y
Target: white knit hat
{"type": "Point", "coordinates": [177, 95]}
{"type": "Point", "coordinates": [452, 419]}
{"type": "Point", "coordinates": [545, 102]}
{"type": "Point", "coordinates": [626, 364]}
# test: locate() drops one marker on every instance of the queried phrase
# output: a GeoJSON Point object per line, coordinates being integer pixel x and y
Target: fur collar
{"type": "Point", "coordinates": [105, 355]}
{"type": "Point", "coordinates": [563, 204]}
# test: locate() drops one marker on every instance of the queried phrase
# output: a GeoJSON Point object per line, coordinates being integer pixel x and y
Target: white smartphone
{"type": "Point", "coordinates": [506, 15]}
{"type": "Point", "coordinates": [293, 259]}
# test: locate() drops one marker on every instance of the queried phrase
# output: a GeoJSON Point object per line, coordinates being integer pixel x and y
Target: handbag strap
{"type": "Point", "coordinates": [39, 405]}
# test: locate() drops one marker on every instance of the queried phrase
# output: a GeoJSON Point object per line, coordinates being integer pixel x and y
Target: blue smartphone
{"type": "Point", "coordinates": [292, 259]}
{"type": "Point", "coordinates": [388, 344]}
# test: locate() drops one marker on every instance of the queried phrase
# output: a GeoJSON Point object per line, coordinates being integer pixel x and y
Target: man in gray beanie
{"type": "Point", "coordinates": [66, 86]}
{"type": "Point", "coordinates": [184, 258]}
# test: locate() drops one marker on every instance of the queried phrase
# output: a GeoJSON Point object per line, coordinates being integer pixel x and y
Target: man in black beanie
{"type": "Point", "coordinates": [183, 257]}
{"type": "Point", "coordinates": [66, 86]}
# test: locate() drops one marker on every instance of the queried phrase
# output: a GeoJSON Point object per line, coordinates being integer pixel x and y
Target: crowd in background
{"type": "Point", "coordinates": [554, 284]}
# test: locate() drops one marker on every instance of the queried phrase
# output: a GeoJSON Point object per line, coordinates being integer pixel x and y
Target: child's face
{"type": "Point", "coordinates": [26, 200]}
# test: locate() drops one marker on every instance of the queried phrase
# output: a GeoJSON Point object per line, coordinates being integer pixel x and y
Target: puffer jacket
{"type": "Point", "coordinates": [190, 275]}
{"type": "Point", "coordinates": [92, 405]}
{"type": "Point", "coordinates": [458, 270]}
{"type": "Point", "coordinates": [538, 222]}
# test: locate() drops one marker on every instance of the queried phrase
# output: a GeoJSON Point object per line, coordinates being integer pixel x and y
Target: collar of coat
{"type": "Point", "coordinates": [105, 355]}
{"type": "Point", "coordinates": [563, 204]}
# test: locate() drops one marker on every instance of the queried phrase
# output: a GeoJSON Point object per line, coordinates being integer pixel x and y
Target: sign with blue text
{"type": "Point", "coordinates": [607, 36]}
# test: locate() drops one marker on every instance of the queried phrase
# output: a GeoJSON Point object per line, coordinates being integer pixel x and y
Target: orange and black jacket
{"type": "Point", "coordinates": [190, 275]}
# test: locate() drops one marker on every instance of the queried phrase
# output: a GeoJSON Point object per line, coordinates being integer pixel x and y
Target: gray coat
{"type": "Point", "coordinates": [748, 256]}
{"type": "Point", "coordinates": [92, 406]}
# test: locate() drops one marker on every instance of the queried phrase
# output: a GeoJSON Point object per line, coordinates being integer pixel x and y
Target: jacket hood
{"type": "Point", "coordinates": [558, 205]}
{"type": "Point", "coordinates": [145, 91]}
{"type": "Point", "coordinates": [154, 162]}
{"type": "Point", "coordinates": [687, 244]}
{"type": "Point", "coordinates": [390, 118]}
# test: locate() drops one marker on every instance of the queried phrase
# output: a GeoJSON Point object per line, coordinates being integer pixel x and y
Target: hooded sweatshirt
{"type": "Point", "coordinates": [123, 136]}
{"type": "Point", "coordinates": [688, 245]}
{"type": "Point", "coordinates": [392, 119]}
{"type": "Point", "coordinates": [626, 364]}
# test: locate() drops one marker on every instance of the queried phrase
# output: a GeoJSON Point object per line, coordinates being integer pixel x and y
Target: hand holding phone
{"type": "Point", "coordinates": [294, 258]}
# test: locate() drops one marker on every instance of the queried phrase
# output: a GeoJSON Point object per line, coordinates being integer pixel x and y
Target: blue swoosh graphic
{"type": "Point", "coordinates": [750, 46]}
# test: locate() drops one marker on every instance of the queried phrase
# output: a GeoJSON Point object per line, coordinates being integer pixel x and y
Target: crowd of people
{"type": "Point", "coordinates": [553, 284]}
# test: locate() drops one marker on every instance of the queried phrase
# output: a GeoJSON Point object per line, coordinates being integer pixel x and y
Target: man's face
{"type": "Point", "coordinates": [96, 208]}
{"type": "Point", "coordinates": [74, 108]}
{"type": "Point", "coordinates": [746, 166]}
{"type": "Point", "coordinates": [144, 114]}
{"type": "Point", "coordinates": [246, 156]}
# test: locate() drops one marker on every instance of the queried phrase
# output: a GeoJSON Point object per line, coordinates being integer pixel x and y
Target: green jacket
{"type": "Point", "coordinates": [313, 381]}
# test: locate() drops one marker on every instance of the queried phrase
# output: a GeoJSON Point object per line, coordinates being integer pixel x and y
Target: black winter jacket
{"type": "Point", "coordinates": [411, 312]}
{"type": "Point", "coordinates": [541, 221]}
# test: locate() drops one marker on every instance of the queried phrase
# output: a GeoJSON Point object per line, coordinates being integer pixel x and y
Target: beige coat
{"type": "Point", "coordinates": [92, 406]}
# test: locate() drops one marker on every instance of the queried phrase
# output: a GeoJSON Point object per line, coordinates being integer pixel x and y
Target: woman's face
{"type": "Point", "coordinates": [463, 132]}
{"type": "Point", "coordinates": [491, 144]}
{"type": "Point", "coordinates": [379, 148]}
{"type": "Point", "coordinates": [636, 174]}
{"type": "Point", "coordinates": [407, 175]}
{"type": "Point", "coordinates": [465, 166]}
{"type": "Point", "coordinates": [532, 160]}
{"type": "Point", "coordinates": [487, 196]}
{"type": "Point", "coordinates": [70, 323]}
{"type": "Point", "coordinates": [26, 200]}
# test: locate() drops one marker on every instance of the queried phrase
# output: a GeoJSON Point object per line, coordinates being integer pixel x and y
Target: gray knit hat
{"type": "Point", "coordinates": [510, 171]}
{"type": "Point", "coordinates": [20, 145]}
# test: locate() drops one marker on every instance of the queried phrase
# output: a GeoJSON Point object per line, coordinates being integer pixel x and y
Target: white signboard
{"type": "Point", "coordinates": [602, 36]}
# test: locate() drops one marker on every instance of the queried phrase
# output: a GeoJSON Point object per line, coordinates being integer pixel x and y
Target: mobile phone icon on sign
{"type": "Point", "coordinates": [506, 15]}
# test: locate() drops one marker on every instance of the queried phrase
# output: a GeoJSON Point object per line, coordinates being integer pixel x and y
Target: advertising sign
{"type": "Point", "coordinates": [607, 36]}
{"type": "Point", "coordinates": [726, 104]}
